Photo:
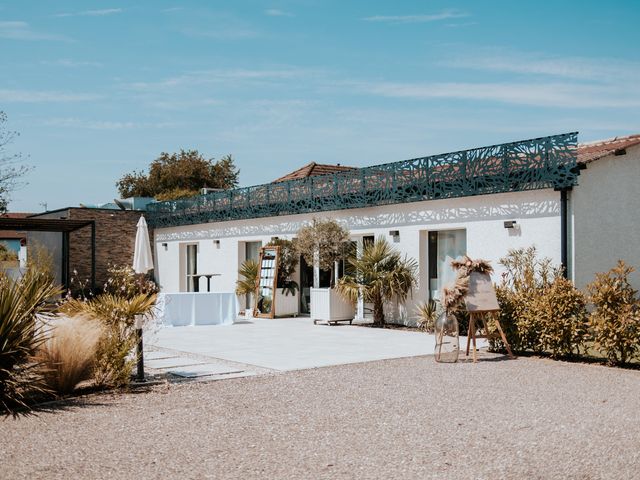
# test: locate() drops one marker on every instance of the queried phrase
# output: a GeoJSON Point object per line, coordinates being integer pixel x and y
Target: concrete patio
{"type": "Point", "coordinates": [286, 344]}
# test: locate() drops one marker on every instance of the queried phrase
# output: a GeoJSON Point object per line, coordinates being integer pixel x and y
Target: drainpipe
{"type": "Point", "coordinates": [564, 220]}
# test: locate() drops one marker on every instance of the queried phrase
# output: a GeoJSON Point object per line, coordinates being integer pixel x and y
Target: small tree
{"type": "Point", "coordinates": [10, 169]}
{"type": "Point", "coordinates": [179, 175]}
{"type": "Point", "coordinates": [324, 240]}
{"type": "Point", "coordinates": [380, 275]}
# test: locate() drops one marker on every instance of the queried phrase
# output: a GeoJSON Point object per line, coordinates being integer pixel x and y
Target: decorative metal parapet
{"type": "Point", "coordinates": [547, 162]}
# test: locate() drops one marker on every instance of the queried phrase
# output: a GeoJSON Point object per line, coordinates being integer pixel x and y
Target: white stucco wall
{"type": "Point", "coordinates": [536, 212]}
{"type": "Point", "coordinates": [606, 210]}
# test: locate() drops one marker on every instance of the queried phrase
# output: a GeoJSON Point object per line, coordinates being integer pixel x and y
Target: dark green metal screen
{"type": "Point", "coordinates": [547, 162]}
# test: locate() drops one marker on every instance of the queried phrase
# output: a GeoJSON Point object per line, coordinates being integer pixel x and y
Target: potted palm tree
{"type": "Point", "coordinates": [322, 244]}
{"type": "Point", "coordinates": [246, 284]}
{"type": "Point", "coordinates": [379, 275]}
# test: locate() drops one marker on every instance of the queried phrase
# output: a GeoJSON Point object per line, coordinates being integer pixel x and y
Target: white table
{"type": "Point", "coordinates": [197, 308]}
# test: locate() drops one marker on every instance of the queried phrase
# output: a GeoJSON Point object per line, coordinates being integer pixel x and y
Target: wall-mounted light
{"type": "Point", "coordinates": [166, 246]}
{"type": "Point", "coordinates": [395, 234]}
{"type": "Point", "coordinates": [273, 239]}
{"type": "Point", "coordinates": [216, 243]}
{"type": "Point", "coordinates": [510, 224]}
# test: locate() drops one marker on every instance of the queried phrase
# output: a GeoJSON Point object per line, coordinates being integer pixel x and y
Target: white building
{"type": "Point", "coordinates": [577, 204]}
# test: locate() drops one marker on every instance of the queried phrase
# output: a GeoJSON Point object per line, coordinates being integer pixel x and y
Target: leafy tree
{"type": "Point", "coordinates": [325, 241]}
{"type": "Point", "coordinates": [380, 275]}
{"type": "Point", "coordinates": [10, 169]}
{"type": "Point", "coordinates": [179, 175]}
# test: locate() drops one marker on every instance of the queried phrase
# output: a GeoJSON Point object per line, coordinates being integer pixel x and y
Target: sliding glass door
{"type": "Point", "coordinates": [444, 246]}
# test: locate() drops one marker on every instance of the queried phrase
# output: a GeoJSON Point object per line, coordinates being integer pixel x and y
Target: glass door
{"type": "Point", "coordinates": [444, 246]}
{"type": "Point", "coordinates": [193, 284]}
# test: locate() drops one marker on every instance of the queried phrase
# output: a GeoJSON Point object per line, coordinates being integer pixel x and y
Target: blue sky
{"type": "Point", "coordinates": [98, 89]}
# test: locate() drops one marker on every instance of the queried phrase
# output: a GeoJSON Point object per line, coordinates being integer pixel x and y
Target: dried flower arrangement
{"type": "Point", "coordinates": [453, 295]}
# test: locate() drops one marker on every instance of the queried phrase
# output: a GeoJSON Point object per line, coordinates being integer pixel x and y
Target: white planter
{"type": "Point", "coordinates": [287, 305]}
{"type": "Point", "coordinates": [248, 312]}
{"type": "Point", "coordinates": [327, 305]}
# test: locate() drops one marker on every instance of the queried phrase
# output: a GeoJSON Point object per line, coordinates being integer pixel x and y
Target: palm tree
{"type": "Point", "coordinates": [246, 285]}
{"type": "Point", "coordinates": [380, 275]}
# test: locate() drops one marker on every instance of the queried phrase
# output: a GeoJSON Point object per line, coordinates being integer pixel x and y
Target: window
{"type": "Point", "coordinates": [444, 246]}
{"type": "Point", "coordinates": [192, 269]}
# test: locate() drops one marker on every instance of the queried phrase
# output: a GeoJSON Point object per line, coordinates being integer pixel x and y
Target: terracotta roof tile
{"type": "Point", "coordinates": [313, 169]}
{"type": "Point", "coordinates": [589, 152]}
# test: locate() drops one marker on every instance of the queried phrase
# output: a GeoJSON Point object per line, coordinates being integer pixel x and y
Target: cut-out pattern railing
{"type": "Point", "coordinates": [547, 162]}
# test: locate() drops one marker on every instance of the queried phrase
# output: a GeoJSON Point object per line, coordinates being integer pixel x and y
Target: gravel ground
{"type": "Point", "coordinates": [408, 418]}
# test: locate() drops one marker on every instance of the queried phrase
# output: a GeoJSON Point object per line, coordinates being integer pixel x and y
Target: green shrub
{"type": "Point", "coordinates": [508, 301]}
{"type": "Point", "coordinates": [20, 303]}
{"type": "Point", "coordinates": [526, 278]}
{"type": "Point", "coordinates": [113, 364]}
{"type": "Point", "coordinates": [615, 320]}
{"type": "Point", "coordinates": [562, 318]}
{"type": "Point", "coordinates": [540, 309]}
{"type": "Point", "coordinates": [427, 313]}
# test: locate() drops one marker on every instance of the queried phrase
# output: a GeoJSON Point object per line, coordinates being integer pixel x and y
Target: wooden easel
{"type": "Point", "coordinates": [481, 302]}
{"type": "Point", "coordinates": [474, 318]}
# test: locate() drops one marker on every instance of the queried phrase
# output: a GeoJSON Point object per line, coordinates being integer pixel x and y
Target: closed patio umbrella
{"type": "Point", "coordinates": [142, 263]}
{"type": "Point", "coordinates": [142, 258]}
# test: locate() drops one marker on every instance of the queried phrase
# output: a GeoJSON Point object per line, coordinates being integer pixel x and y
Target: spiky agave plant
{"type": "Point", "coordinates": [380, 275]}
{"type": "Point", "coordinates": [21, 301]}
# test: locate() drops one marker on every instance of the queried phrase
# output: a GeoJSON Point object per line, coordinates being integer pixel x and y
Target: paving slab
{"type": "Point", "coordinates": [157, 355]}
{"type": "Point", "coordinates": [202, 370]}
{"type": "Point", "coordinates": [294, 343]}
{"type": "Point", "coordinates": [171, 362]}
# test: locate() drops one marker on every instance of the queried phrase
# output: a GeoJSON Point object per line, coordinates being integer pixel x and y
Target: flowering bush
{"type": "Point", "coordinates": [125, 282]}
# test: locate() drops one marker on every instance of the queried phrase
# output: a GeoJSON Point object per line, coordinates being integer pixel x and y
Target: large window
{"type": "Point", "coordinates": [192, 269]}
{"type": "Point", "coordinates": [444, 246]}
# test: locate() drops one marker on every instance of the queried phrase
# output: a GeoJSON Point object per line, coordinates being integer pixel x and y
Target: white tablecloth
{"type": "Point", "coordinates": [198, 308]}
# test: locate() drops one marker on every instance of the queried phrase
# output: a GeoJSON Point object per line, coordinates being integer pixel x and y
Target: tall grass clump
{"type": "Point", "coordinates": [68, 354]}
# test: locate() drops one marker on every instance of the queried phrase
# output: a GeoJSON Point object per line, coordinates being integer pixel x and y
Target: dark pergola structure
{"type": "Point", "coordinates": [64, 226]}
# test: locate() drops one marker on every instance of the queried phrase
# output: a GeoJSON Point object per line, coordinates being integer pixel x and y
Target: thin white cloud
{"type": "Point", "coordinates": [274, 12]}
{"type": "Point", "coordinates": [18, 30]}
{"type": "Point", "coordinates": [504, 60]}
{"type": "Point", "coordinates": [73, 122]}
{"type": "Point", "coordinates": [419, 18]}
{"type": "Point", "coordinates": [65, 62]}
{"type": "Point", "coordinates": [172, 9]}
{"type": "Point", "coordinates": [205, 77]}
{"type": "Point", "coordinates": [31, 96]}
{"type": "Point", "coordinates": [90, 13]}
{"type": "Point", "coordinates": [221, 33]}
{"type": "Point", "coordinates": [563, 95]}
